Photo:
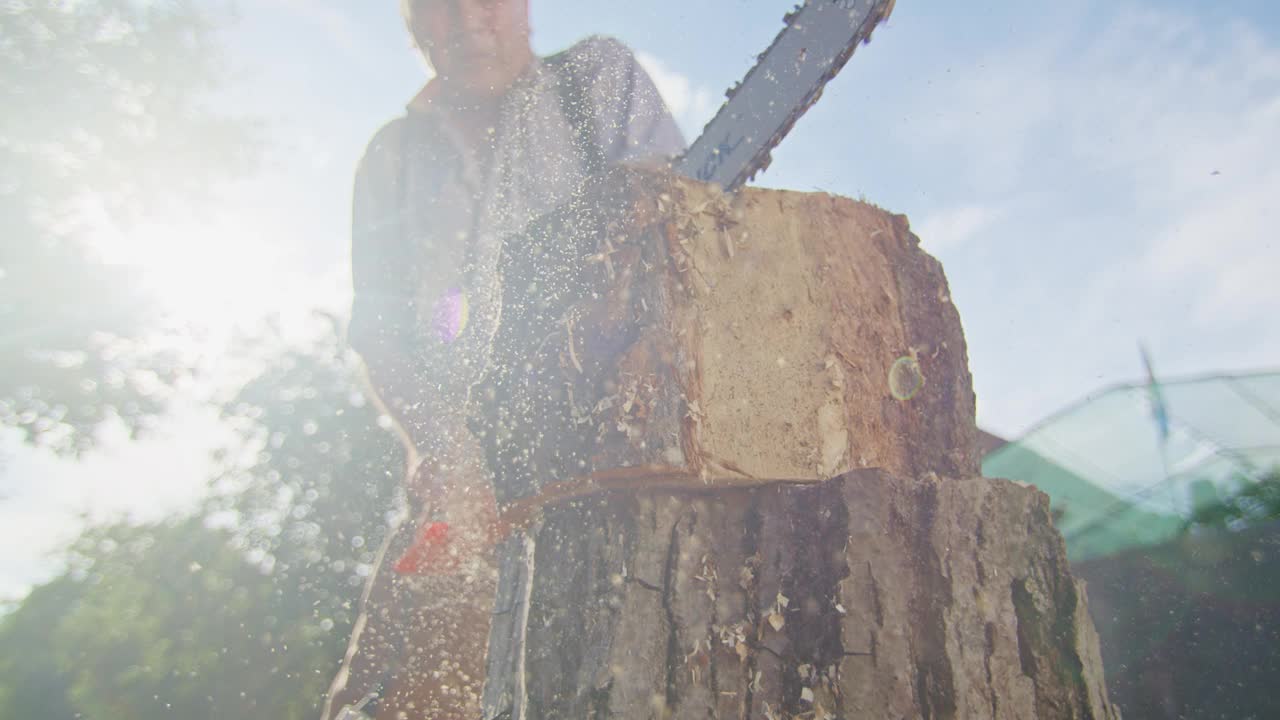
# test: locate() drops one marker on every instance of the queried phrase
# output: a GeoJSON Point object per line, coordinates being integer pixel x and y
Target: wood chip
{"type": "Point", "coordinates": [777, 621]}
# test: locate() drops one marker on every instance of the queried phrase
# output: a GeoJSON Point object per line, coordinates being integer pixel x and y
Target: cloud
{"type": "Point", "coordinates": [1133, 165]}
{"type": "Point", "coordinates": [1226, 251]}
{"type": "Point", "coordinates": [1182, 114]}
{"type": "Point", "coordinates": [948, 229]}
{"type": "Point", "coordinates": [691, 105]}
{"type": "Point", "coordinates": [1197, 129]}
{"type": "Point", "coordinates": [48, 500]}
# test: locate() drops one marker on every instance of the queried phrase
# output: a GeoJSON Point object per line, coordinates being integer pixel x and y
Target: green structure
{"type": "Point", "coordinates": [1129, 465]}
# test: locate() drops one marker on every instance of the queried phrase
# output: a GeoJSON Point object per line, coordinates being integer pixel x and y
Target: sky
{"type": "Point", "coordinates": [1091, 173]}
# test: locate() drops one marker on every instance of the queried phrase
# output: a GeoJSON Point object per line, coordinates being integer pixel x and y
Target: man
{"type": "Point", "coordinates": [497, 138]}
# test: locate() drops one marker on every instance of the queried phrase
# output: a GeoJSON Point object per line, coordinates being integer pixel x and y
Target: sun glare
{"type": "Point", "coordinates": [217, 276]}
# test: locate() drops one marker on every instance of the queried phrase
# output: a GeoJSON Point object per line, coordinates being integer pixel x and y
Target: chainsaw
{"type": "Point", "coordinates": [817, 39]}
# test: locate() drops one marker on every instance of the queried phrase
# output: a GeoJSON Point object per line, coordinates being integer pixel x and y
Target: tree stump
{"type": "Point", "coordinates": [738, 432]}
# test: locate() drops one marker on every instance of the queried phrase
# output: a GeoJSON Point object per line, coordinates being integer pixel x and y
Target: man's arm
{"type": "Point", "coordinates": [383, 314]}
{"type": "Point", "coordinates": [393, 635]}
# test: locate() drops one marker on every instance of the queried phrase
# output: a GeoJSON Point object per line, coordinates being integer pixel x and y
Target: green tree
{"type": "Point", "coordinates": [32, 682]}
{"type": "Point", "coordinates": [1255, 501]}
{"type": "Point", "coordinates": [106, 122]}
{"type": "Point", "coordinates": [242, 609]}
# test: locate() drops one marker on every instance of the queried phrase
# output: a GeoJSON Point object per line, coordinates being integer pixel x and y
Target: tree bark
{"type": "Point", "coordinates": [865, 596]}
{"type": "Point", "coordinates": [739, 433]}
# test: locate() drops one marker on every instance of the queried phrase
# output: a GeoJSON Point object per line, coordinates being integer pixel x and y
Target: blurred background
{"type": "Point", "coordinates": [192, 479]}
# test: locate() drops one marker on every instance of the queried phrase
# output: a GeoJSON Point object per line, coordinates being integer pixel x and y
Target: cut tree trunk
{"type": "Point", "coordinates": [660, 331]}
{"type": "Point", "coordinates": [866, 596]}
{"type": "Point", "coordinates": [738, 434]}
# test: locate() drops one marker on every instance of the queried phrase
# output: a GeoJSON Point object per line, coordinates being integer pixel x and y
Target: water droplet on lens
{"type": "Point", "coordinates": [905, 378]}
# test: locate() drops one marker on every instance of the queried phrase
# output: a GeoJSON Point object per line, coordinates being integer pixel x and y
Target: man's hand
{"type": "Point", "coordinates": [457, 515]}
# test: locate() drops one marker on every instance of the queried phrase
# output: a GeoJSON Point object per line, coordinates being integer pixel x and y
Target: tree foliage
{"type": "Point", "coordinates": [1256, 501]}
{"type": "Point", "coordinates": [106, 123]}
{"type": "Point", "coordinates": [242, 609]}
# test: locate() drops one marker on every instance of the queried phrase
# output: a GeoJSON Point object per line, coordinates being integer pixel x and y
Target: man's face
{"type": "Point", "coordinates": [481, 45]}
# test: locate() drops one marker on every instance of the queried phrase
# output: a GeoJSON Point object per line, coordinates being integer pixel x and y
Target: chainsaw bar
{"type": "Point", "coordinates": [818, 39]}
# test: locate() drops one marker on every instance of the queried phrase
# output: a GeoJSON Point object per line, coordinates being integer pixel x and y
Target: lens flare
{"type": "Point", "coordinates": [905, 378]}
{"type": "Point", "coordinates": [451, 314]}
